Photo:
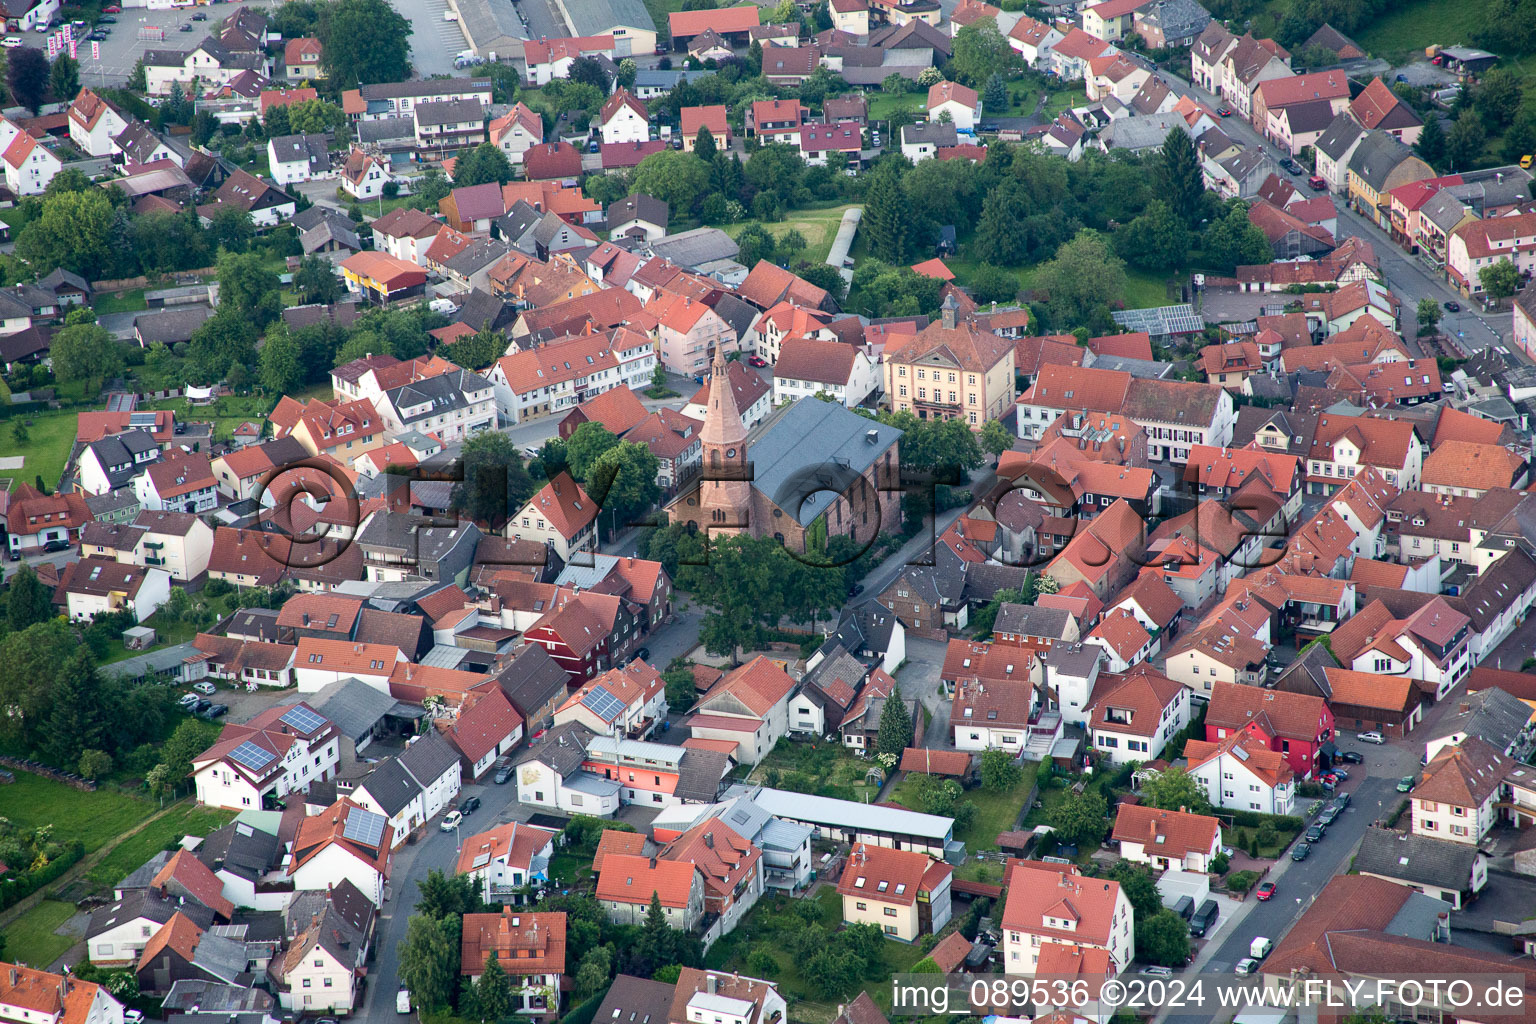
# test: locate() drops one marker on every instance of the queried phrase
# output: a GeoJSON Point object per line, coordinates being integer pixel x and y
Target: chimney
{"type": "Point", "coordinates": [710, 983]}
{"type": "Point", "coordinates": [1465, 707]}
{"type": "Point", "coordinates": [653, 863]}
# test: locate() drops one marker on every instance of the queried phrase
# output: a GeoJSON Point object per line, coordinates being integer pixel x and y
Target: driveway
{"type": "Point", "coordinates": [919, 677]}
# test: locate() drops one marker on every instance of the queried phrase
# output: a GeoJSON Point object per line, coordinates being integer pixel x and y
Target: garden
{"type": "Point", "coordinates": [818, 767]}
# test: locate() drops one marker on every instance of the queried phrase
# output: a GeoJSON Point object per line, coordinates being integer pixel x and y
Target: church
{"type": "Point", "coordinates": [811, 469]}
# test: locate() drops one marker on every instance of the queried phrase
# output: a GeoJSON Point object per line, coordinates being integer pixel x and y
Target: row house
{"type": "Point", "coordinates": [1342, 447]}
{"type": "Point", "coordinates": [1177, 415]}
{"type": "Point", "coordinates": [1432, 645]}
{"type": "Point", "coordinates": [399, 99]}
{"type": "Point", "coordinates": [1458, 797]}
{"type": "Point", "coordinates": [628, 701]}
{"type": "Point", "coordinates": [177, 542]}
{"type": "Point", "coordinates": [451, 406]}
{"type": "Point", "coordinates": [556, 377]}
{"type": "Point", "coordinates": [1479, 244]}
{"type": "Point", "coordinates": [1295, 725]}
{"type": "Point", "coordinates": [1273, 95]}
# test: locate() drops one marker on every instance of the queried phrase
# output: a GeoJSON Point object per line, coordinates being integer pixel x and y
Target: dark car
{"type": "Point", "coordinates": [1351, 757]}
{"type": "Point", "coordinates": [1224, 111]}
{"type": "Point", "coordinates": [856, 590]}
{"type": "Point", "coordinates": [199, 16]}
{"type": "Point", "coordinates": [1290, 165]}
{"type": "Point", "coordinates": [1327, 815]}
{"type": "Point", "coordinates": [1300, 851]}
{"type": "Point", "coordinates": [200, 705]}
{"type": "Point", "coordinates": [56, 545]}
{"type": "Point", "coordinates": [1204, 918]}
{"type": "Point", "coordinates": [470, 805]}
{"type": "Point", "coordinates": [502, 775]}
{"type": "Point", "coordinates": [1453, 307]}
{"type": "Point", "coordinates": [1314, 834]}
{"type": "Point", "coordinates": [1341, 801]}
{"type": "Point", "coordinates": [185, 28]}
{"type": "Point", "coordinates": [106, 19]}
{"type": "Point", "coordinates": [216, 711]}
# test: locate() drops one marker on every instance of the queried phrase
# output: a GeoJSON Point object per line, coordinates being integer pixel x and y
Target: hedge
{"type": "Point", "coordinates": [1253, 819]}
{"type": "Point", "coordinates": [17, 888]}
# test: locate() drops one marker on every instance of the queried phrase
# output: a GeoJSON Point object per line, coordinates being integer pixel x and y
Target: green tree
{"type": "Point", "coordinates": [896, 729]}
{"type": "Point", "coordinates": [886, 218]}
{"type": "Point", "coordinates": [1174, 788]}
{"type": "Point", "coordinates": [980, 51]}
{"type": "Point", "coordinates": [1140, 889]}
{"type": "Point", "coordinates": [485, 163]}
{"type": "Point", "coordinates": [64, 78]}
{"type": "Point", "coordinates": [429, 962]}
{"type": "Point", "coordinates": [85, 352]}
{"type": "Point", "coordinates": [27, 600]}
{"type": "Point", "coordinates": [1232, 240]}
{"type": "Point", "coordinates": [1163, 939]}
{"type": "Point", "coordinates": [231, 228]}
{"type": "Point", "coordinates": [1497, 99]}
{"type": "Point", "coordinates": [73, 230]}
{"type": "Point", "coordinates": [1084, 276]}
{"type": "Point", "coordinates": [994, 98]}
{"type": "Point", "coordinates": [316, 116]}
{"type": "Point", "coordinates": [1432, 142]}
{"type": "Point", "coordinates": [431, 188]}
{"type": "Point", "coordinates": [682, 692]}
{"type": "Point", "coordinates": [494, 999]}
{"type": "Point", "coordinates": [189, 740]}
{"type": "Point", "coordinates": [1179, 178]}
{"type": "Point", "coordinates": [1002, 234]}
{"type": "Point", "coordinates": [1157, 240]}
{"type": "Point", "coordinates": [364, 42]}
{"type": "Point", "coordinates": [1499, 280]}
{"type": "Point", "coordinates": [1080, 818]}
{"type": "Point", "coordinates": [225, 341]}
{"type": "Point", "coordinates": [443, 895]}
{"type": "Point", "coordinates": [95, 763]}
{"type": "Point", "coordinates": [1429, 316]}
{"type": "Point", "coordinates": [992, 284]}
{"type": "Point", "coordinates": [676, 178]}
{"type": "Point", "coordinates": [316, 281]}
{"type": "Point", "coordinates": [248, 287]}
{"type": "Point", "coordinates": [280, 367]}
{"type": "Point", "coordinates": [585, 445]}
{"type": "Point", "coordinates": [26, 73]}
{"type": "Point", "coordinates": [995, 438]}
{"type": "Point", "coordinates": [1464, 144]}
{"type": "Point", "coordinates": [622, 480]}
{"type": "Point", "coordinates": [77, 719]}
{"type": "Point", "coordinates": [595, 970]}
{"type": "Point", "coordinates": [19, 432]}
{"type": "Point", "coordinates": [704, 144]}
{"type": "Point", "coordinates": [999, 772]}
{"type": "Point", "coordinates": [277, 123]}
{"type": "Point", "coordinates": [496, 483]}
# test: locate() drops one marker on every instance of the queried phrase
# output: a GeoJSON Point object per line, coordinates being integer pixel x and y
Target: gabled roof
{"type": "Point", "coordinates": [1291, 716]}
{"type": "Point", "coordinates": [886, 875]}
{"type": "Point", "coordinates": [1464, 775]}
{"type": "Point", "coordinates": [1171, 834]}
{"type": "Point", "coordinates": [1038, 891]}
{"type": "Point", "coordinates": [523, 943]}
{"type": "Point", "coordinates": [630, 879]}
{"type": "Point", "coordinates": [1416, 859]}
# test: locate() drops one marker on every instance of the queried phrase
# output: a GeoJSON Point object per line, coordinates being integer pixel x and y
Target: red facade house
{"type": "Point", "coordinates": [1296, 725]}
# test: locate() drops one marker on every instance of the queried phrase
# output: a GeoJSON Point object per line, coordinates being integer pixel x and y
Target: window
{"type": "Point", "coordinates": [890, 911]}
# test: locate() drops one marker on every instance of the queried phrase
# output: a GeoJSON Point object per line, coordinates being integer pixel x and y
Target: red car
{"type": "Point", "coordinates": [112, 9]}
{"type": "Point", "coordinates": [1265, 891]}
{"type": "Point", "coordinates": [757, 361]}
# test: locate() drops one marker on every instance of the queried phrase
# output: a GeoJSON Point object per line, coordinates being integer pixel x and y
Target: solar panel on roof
{"type": "Point", "coordinates": [249, 755]}
{"type": "Point", "coordinates": [302, 719]}
{"type": "Point", "coordinates": [363, 827]}
{"type": "Point", "coordinates": [603, 704]}
{"type": "Point", "coordinates": [141, 419]}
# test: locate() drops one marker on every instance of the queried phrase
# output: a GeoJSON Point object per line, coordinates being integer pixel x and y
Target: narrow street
{"type": "Point", "coordinates": [1411, 280]}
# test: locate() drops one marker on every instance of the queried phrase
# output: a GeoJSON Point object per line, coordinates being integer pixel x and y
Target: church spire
{"type": "Point", "coordinates": [722, 421]}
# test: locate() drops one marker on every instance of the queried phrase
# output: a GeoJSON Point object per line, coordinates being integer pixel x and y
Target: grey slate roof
{"type": "Point", "coordinates": [1141, 132]}
{"type": "Point", "coordinates": [429, 758]}
{"type": "Point", "coordinates": [140, 877]}
{"type": "Point", "coordinates": [737, 312]}
{"type": "Point", "coordinates": [866, 626]}
{"type": "Point", "coordinates": [441, 394]}
{"type": "Point", "coordinates": [221, 956]}
{"type": "Point", "coordinates": [563, 748]}
{"type": "Point", "coordinates": [532, 680]}
{"type": "Point", "coordinates": [149, 904]}
{"type": "Point", "coordinates": [171, 325]}
{"type": "Point", "coordinates": [1377, 156]}
{"type": "Point", "coordinates": [413, 535]}
{"type": "Point", "coordinates": [1340, 134]}
{"type": "Point", "coordinates": [391, 786]}
{"type": "Point", "coordinates": [214, 997]}
{"type": "Point", "coordinates": [1030, 620]}
{"type": "Point", "coordinates": [809, 445]}
{"type": "Point", "coordinates": [697, 247]}
{"type": "Point", "coordinates": [313, 148]}
{"type": "Point", "coordinates": [699, 774]}
{"type": "Point", "coordinates": [1491, 714]}
{"type": "Point", "coordinates": [481, 308]}
{"type": "Point", "coordinates": [600, 19]}
{"type": "Point", "coordinates": [639, 206]}
{"type": "Point", "coordinates": [1417, 859]}
{"type": "Point", "coordinates": [344, 898]}
{"type": "Point", "coordinates": [933, 133]}
{"type": "Point", "coordinates": [632, 1000]}
{"type": "Point", "coordinates": [123, 450]}
{"type": "Point", "coordinates": [353, 705]}
{"type": "Point", "coordinates": [477, 257]}
{"type": "Point", "coordinates": [386, 129]}
{"type": "Point", "coordinates": [241, 850]}
{"type": "Point", "coordinates": [450, 111]}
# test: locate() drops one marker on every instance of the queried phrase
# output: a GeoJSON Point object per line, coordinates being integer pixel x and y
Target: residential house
{"type": "Point", "coordinates": [1166, 839]}
{"type": "Point", "coordinates": [560, 515]}
{"type": "Point", "coordinates": [1457, 797]}
{"type": "Point", "coordinates": [903, 892]}
{"type": "Point", "coordinates": [1242, 773]}
{"type": "Point", "coordinates": [1293, 724]}
{"type": "Point", "coordinates": [1050, 903]}
{"type": "Point", "coordinates": [748, 706]}
{"type": "Point", "coordinates": [808, 368]}
{"type": "Point", "coordinates": [961, 105]}
{"type": "Point", "coordinates": [529, 947]}
{"type": "Point", "coordinates": [623, 119]}
{"type": "Point", "coordinates": [344, 841]}
{"type": "Point", "coordinates": [280, 751]}
{"type": "Point", "coordinates": [629, 701]}
{"type": "Point", "coordinates": [968, 370]}
{"type": "Point", "coordinates": [1449, 871]}
{"type": "Point", "coordinates": [1136, 715]}
{"type": "Point", "coordinates": [506, 860]}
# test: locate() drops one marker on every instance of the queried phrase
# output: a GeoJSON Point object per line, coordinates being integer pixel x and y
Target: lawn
{"type": "Point", "coordinates": [1408, 26]}
{"type": "Point", "coordinates": [995, 812]}
{"type": "Point", "coordinates": [95, 819]}
{"type": "Point", "coordinates": [50, 436]}
{"type": "Point", "coordinates": [825, 769]}
{"type": "Point", "coordinates": [1144, 289]}
{"type": "Point", "coordinates": [570, 867]}
{"type": "Point", "coordinates": [167, 634]}
{"type": "Point", "coordinates": [818, 226]}
{"type": "Point", "coordinates": [658, 10]}
{"type": "Point", "coordinates": [226, 413]}
{"type": "Point", "coordinates": [883, 105]}
{"type": "Point", "coordinates": [119, 302]}
{"type": "Point", "coordinates": [30, 939]}
{"type": "Point", "coordinates": [186, 819]}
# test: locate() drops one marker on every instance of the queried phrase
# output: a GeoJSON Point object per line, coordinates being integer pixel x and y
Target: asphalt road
{"type": "Point", "coordinates": [1405, 275]}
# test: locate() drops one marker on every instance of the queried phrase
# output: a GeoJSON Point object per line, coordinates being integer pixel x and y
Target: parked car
{"type": "Point", "coordinates": [216, 711]}
{"type": "Point", "coordinates": [56, 545]}
{"type": "Point", "coordinates": [1405, 784]}
{"type": "Point", "coordinates": [1339, 774]}
{"type": "Point", "coordinates": [1314, 833]}
{"type": "Point", "coordinates": [1371, 737]}
{"type": "Point", "coordinates": [502, 775]}
{"type": "Point", "coordinates": [758, 361]}
{"type": "Point", "coordinates": [112, 9]}
{"type": "Point", "coordinates": [1157, 972]}
{"type": "Point", "coordinates": [403, 1001]}
{"type": "Point", "coordinates": [1316, 183]}
{"type": "Point", "coordinates": [101, 34]}
{"type": "Point", "coordinates": [1265, 892]}
{"type": "Point", "coordinates": [188, 699]}
{"type": "Point", "coordinates": [1452, 306]}
{"type": "Point", "coordinates": [200, 705]}
{"type": "Point", "coordinates": [856, 590]}
{"type": "Point", "coordinates": [1351, 757]}
{"type": "Point", "coordinates": [470, 805]}
{"type": "Point", "coordinates": [1204, 918]}
{"type": "Point", "coordinates": [451, 821]}
{"type": "Point", "coordinates": [106, 19]}
{"type": "Point", "coordinates": [1247, 965]}
{"type": "Point", "coordinates": [199, 16]}
{"type": "Point", "coordinates": [1341, 801]}
{"type": "Point", "coordinates": [1223, 111]}
{"type": "Point", "coordinates": [203, 686]}
{"type": "Point", "coordinates": [1291, 165]}
{"type": "Point", "coordinates": [1300, 851]}
{"type": "Point", "coordinates": [1328, 814]}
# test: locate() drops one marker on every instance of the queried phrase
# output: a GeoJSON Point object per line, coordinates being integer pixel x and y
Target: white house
{"type": "Point", "coordinates": [280, 751]}
{"type": "Point", "coordinates": [994, 713]}
{"type": "Point", "coordinates": [516, 132]}
{"type": "Point", "coordinates": [322, 969]}
{"type": "Point", "coordinates": [412, 788]}
{"type": "Point", "coordinates": [1071, 671]}
{"type": "Point", "coordinates": [29, 165]}
{"type": "Point", "coordinates": [177, 542]}
{"type": "Point", "coordinates": [1134, 720]}
{"type": "Point", "coordinates": [749, 706]}
{"type": "Point", "coordinates": [344, 841]}
{"type": "Point", "coordinates": [551, 775]}
{"type": "Point", "coordinates": [628, 701]}
{"type": "Point", "coordinates": [806, 368]}
{"type": "Point", "coordinates": [1052, 903]}
{"type": "Point", "coordinates": [318, 663]}
{"type": "Point", "coordinates": [1167, 839]}
{"type": "Point", "coordinates": [506, 859]}
{"type": "Point", "coordinates": [954, 102]}
{"type": "Point", "coordinates": [96, 586]}
{"type": "Point", "coordinates": [113, 461]}
{"type": "Point", "coordinates": [624, 119]}
{"type": "Point", "coordinates": [94, 123]}
{"type": "Point", "coordinates": [295, 158]}
{"type": "Point", "coordinates": [1241, 773]}
{"type": "Point", "coordinates": [364, 175]}
{"type": "Point", "coordinates": [181, 481]}
{"type": "Point", "coordinates": [1457, 799]}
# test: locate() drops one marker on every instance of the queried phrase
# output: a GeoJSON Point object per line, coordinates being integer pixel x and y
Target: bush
{"type": "Point", "coordinates": [1242, 881]}
{"type": "Point", "coordinates": [1220, 863]}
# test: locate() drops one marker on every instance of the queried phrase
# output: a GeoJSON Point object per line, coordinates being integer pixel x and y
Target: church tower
{"type": "Point", "coordinates": [725, 490]}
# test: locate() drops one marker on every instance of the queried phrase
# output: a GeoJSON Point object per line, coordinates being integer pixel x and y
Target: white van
{"type": "Point", "coordinates": [1259, 948]}
{"type": "Point", "coordinates": [403, 1001]}
{"type": "Point", "coordinates": [12, 41]}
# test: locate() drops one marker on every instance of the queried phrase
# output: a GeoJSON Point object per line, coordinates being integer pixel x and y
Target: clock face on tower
{"type": "Point", "coordinates": [730, 453]}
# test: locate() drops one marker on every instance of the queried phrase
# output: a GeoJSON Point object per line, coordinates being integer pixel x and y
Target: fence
{"type": "Point", "coordinates": [49, 772]}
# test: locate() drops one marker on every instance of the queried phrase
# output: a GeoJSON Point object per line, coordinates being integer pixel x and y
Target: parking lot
{"type": "Point", "coordinates": [434, 42]}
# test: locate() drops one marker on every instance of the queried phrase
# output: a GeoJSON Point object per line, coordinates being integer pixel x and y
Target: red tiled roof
{"type": "Point", "coordinates": [632, 880]}
{"type": "Point", "coordinates": [884, 875]}
{"type": "Point", "coordinates": [1166, 833]}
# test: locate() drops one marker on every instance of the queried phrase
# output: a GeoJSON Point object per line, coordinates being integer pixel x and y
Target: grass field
{"type": "Point", "coordinates": [226, 413]}
{"type": "Point", "coordinates": [1408, 26]}
{"type": "Point", "coordinates": [882, 105]}
{"type": "Point", "coordinates": [818, 226]}
{"type": "Point", "coordinates": [119, 302]}
{"type": "Point", "coordinates": [93, 818]}
{"type": "Point", "coordinates": [185, 819]}
{"type": "Point", "coordinates": [995, 812]}
{"type": "Point", "coordinates": [50, 436]}
{"type": "Point", "coordinates": [1144, 289]}
{"type": "Point", "coordinates": [30, 939]}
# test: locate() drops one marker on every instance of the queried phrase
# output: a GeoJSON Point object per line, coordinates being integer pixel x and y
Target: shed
{"type": "Point", "coordinates": [137, 638]}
